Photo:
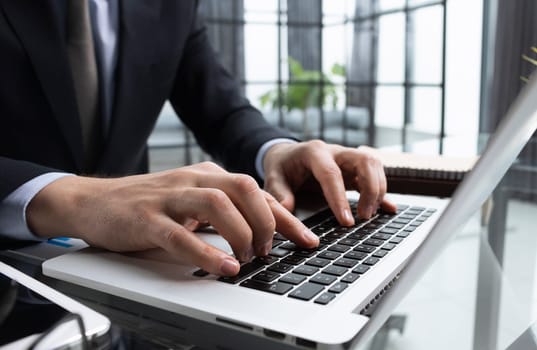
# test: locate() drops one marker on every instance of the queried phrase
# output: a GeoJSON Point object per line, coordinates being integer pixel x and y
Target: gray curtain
{"type": "Point", "coordinates": [304, 31]}
{"type": "Point", "coordinates": [225, 27]}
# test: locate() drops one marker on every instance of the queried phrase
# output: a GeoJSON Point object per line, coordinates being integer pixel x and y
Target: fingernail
{"type": "Point", "coordinates": [229, 267]}
{"type": "Point", "coordinates": [310, 236]}
{"type": "Point", "coordinates": [348, 216]}
{"type": "Point", "coordinates": [267, 247]}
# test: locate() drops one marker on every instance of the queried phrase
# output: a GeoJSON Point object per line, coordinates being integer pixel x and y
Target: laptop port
{"type": "Point", "coordinates": [273, 334]}
{"type": "Point", "coordinates": [306, 343]}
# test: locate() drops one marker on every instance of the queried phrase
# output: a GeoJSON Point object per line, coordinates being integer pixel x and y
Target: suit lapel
{"type": "Point", "coordinates": [36, 24]}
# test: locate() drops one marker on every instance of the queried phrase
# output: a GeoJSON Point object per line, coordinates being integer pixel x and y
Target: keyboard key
{"type": "Point", "coordinates": [327, 240]}
{"type": "Point", "coordinates": [355, 255]}
{"type": "Point", "coordinates": [200, 273]}
{"type": "Point", "coordinates": [339, 248]}
{"type": "Point", "coordinates": [292, 278]}
{"type": "Point", "coordinates": [266, 260]}
{"type": "Point", "coordinates": [357, 236]}
{"type": "Point", "coordinates": [323, 279]}
{"type": "Point", "coordinates": [380, 253]}
{"type": "Point", "coordinates": [395, 225]}
{"type": "Point", "coordinates": [365, 248]}
{"type": "Point", "coordinates": [288, 246]}
{"type": "Point", "coordinates": [371, 261]}
{"type": "Point", "coordinates": [246, 270]}
{"type": "Point", "coordinates": [279, 237]}
{"type": "Point", "coordinates": [335, 270]}
{"type": "Point", "coordinates": [338, 287]}
{"type": "Point", "coordinates": [402, 206]}
{"type": "Point", "coordinates": [420, 209]}
{"type": "Point", "coordinates": [306, 270]}
{"type": "Point", "coordinates": [365, 231]}
{"type": "Point", "coordinates": [276, 243]}
{"type": "Point", "coordinates": [280, 267]}
{"type": "Point", "coordinates": [410, 229]}
{"type": "Point", "coordinates": [266, 276]}
{"type": "Point", "coordinates": [361, 269]}
{"type": "Point", "coordinates": [319, 230]}
{"type": "Point", "coordinates": [306, 291]}
{"type": "Point", "coordinates": [350, 278]}
{"type": "Point", "coordinates": [373, 242]}
{"type": "Point", "coordinates": [325, 298]}
{"type": "Point", "coordinates": [402, 221]}
{"type": "Point", "coordinates": [330, 255]}
{"type": "Point", "coordinates": [276, 288]}
{"type": "Point", "coordinates": [278, 252]}
{"type": "Point", "coordinates": [382, 236]}
{"type": "Point", "coordinates": [403, 234]}
{"type": "Point", "coordinates": [388, 246]}
{"type": "Point", "coordinates": [346, 262]}
{"type": "Point", "coordinates": [389, 231]}
{"type": "Point", "coordinates": [319, 262]}
{"type": "Point", "coordinates": [305, 252]}
{"type": "Point", "coordinates": [348, 241]}
{"type": "Point", "coordinates": [396, 240]}
{"type": "Point", "coordinates": [293, 259]}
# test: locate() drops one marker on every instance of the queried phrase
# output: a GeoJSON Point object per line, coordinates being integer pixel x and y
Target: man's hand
{"type": "Point", "coordinates": [330, 168]}
{"type": "Point", "coordinates": [163, 209]}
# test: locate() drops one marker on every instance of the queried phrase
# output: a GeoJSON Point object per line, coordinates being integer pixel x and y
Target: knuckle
{"type": "Point", "coordinates": [173, 238]}
{"type": "Point", "coordinates": [216, 199]}
{"type": "Point", "coordinates": [209, 166]}
{"type": "Point", "coordinates": [245, 183]}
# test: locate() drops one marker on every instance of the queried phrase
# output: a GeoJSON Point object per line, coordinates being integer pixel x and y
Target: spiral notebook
{"type": "Point", "coordinates": [432, 175]}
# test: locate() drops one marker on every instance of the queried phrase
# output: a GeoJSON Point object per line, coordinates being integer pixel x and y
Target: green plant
{"type": "Point", "coordinates": [304, 90]}
{"type": "Point", "coordinates": [530, 60]}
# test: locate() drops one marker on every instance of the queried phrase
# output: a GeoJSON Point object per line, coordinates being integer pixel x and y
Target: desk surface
{"type": "Point", "coordinates": [479, 293]}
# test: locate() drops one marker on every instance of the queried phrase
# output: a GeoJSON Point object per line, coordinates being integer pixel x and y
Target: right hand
{"type": "Point", "coordinates": [163, 209]}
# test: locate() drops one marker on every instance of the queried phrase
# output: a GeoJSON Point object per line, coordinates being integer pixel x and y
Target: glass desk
{"type": "Point", "coordinates": [478, 294]}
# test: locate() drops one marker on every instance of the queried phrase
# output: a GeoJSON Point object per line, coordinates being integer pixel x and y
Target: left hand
{"type": "Point", "coordinates": [332, 168]}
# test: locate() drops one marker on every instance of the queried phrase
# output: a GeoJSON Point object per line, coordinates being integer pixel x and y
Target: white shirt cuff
{"type": "Point", "coordinates": [13, 207]}
{"type": "Point", "coordinates": [263, 150]}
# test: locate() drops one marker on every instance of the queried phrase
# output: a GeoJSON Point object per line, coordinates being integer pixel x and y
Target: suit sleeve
{"type": "Point", "coordinates": [209, 101]}
{"type": "Point", "coordinates": [15, 173]}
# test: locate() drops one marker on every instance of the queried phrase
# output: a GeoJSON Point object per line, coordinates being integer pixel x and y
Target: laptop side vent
{"type": "Point", "coordinates": [372, 305]}
{"type": "Point", "coordinates": [235, 323]}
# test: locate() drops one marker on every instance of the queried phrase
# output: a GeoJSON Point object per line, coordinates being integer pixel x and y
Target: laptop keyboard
{"type": "Point", "coordinates": [343, 255]}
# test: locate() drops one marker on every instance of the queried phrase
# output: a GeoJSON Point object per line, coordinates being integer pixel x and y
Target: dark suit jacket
{"type": "Point", "coordinates": [163, 54]}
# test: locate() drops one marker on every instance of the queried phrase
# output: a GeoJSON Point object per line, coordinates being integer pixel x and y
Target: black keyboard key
{"type": "Point", "coordinates": [330, 255]}
{"type": "Point", "coordinates": [396, 240]}
{"type": "Point", "coordinates": [402, 221]}
{"type": "Point", "coordinates": [293, 259]}
{"type": "Point", "coordinates": [420, 209]}
{"type": "Point", "coordinates": [318, 262]}
{"type": "Point", "coordinates": [306, 291]}
{"type": "Point", "coordinates": [389, 231]}
{"type": "Point", "coordinates": [395, 226]}
{"type": "Point", "coordinates": [288, 246]}
{"type": "Point", "coordinates": [325, 298]}
{"type": "Point", "coordinates": [365, 248]}
{"type": "Point", "coordinates": [306, 253]}
{"type": "Point", "coordinates": [365, 231]}
{"type": "Point", "coordinates": [266, 276]}
{"type": "Point", "coordinates": [276, 243]}
{"type": "Point", "coordinates": [357, 236]}
{"type": "Point", "coordinates": [335, 270]}
{"type": "Point", "coordinates": [355, 255]}
{"type": "Point", "coordinates": [323, 279]}
{"type": "Point", "coordinates": [339, 248]}
{"type": "Point", "coordinates": [278, 252]}
{"type": "Point", "coordinates": [371, 261]}
{"type": "Point", "coordinates": [338, 287]}
{"type": "Point", "coordinates": [335, 235]}
{"type": "Point", "coordinates": [361, 269]}
{"type": "Point", "coordinates": [410, 229]}
{"type": "Point", "coordinates": [403, 234]}
{"type": "Point", "coordinates": [292, 278]}
{"type": "Point", "coordinates": [348, 241]}
{"type": "Point", "coordinates": [200, 273]}
{"type": "Point", "coordinates": [408, 216]}
{"type": "Point", "coordinates": [402, 206]}
{"type": "Point", "coordinates": [350, 278]}
{"type": "Point", "coordinates": [327, 240]}
{"type": "Point", "coordinates": [246, 270]}
{"type": "Point", "coordinates": [306, 270]}
{"type": "Point", "coordinates": [388, 246]}
{"type": "Point", "coordinates": [280, 267]}
{"type": "Point", "coordinates": [276, 288]}
{"type": "Point", "coordinates": [346, 262]}
{"type": "Point", "coordinates": [319, 230]}
{"type": "Point", "coordinates": [380, 253]}
{"type": "Point", "coordinates": [279, 237]}
{"type": "Point", "coordinates": [372, 225]}
{"type": "Point", "coordinates": [266, 260]}
{"type": "Point", "coordinates": [374, 242]}
{"type": "Point", "coordinates": [382, 236]}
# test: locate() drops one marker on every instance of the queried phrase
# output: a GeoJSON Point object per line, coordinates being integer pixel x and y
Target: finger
{"type": "Point", "coordinates": [328, 174]}
{"type": "Point", "coordinates": [250, 201]}
{"type": "Point", "coordinates": [388, 206]}
{"type": "Point", "coordinates": [214, 206]}
{"type": "Point", "coordinates": [368, 183]}
{"type": "Point", "coordinates": [178, 241]}
{"type": "Point", "coordinates": [277, 185]}
{"type": "Point", "coordinates": [289, 226]}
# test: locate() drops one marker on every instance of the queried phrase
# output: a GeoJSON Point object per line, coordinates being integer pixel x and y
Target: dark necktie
{"type": "Point", "coordinates": [81, 53]}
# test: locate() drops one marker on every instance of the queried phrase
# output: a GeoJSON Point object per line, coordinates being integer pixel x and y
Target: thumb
{"type": "Point", "coordinates": [278, 187]}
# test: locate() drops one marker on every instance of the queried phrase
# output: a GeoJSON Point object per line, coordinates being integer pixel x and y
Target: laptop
{"type": "Point", "coordinates": [335, 297]}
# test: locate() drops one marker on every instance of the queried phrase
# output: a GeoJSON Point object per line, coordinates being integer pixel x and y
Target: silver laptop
{"type": "Point", "coordinates": [335, 297]}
